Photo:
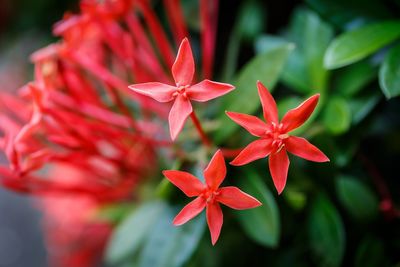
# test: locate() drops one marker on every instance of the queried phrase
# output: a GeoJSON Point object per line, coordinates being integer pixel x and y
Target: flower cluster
{"type": "Point", "coordinates": [80, 136]}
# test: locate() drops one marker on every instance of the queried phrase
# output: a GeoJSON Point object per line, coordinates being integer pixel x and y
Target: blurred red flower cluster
{"type": "Point", "coordinates": [70, 135]}
{"type": "Point", "coordinates": [85, 132]}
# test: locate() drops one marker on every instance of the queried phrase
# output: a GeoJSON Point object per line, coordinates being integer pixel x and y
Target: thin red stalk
{"type": "Point", "coordinates": [387, 205]}
{"type": "Point", "coordinates": [139, 34]}
{"type": "Point", "coordinates": [14, 105]}
{"type": "Point", "coordinates": [106, 76]}
{"type": "Point", "coordinates": [204, 138]}
{"type": "Point", "coordinates": [157, 32]}
{"type": "Point", "coordinates": [209, 21]}
{"type": "Point", "coordinates": [144, 52]}
{"type": "Point", "coordinates": [77, 85]}
{"type": "Point", "coordinates": [176, 19]}
{"type": "Point", "coordinates": [121, 106]}
{"type": "Point", "coordinates": [140, 73]}
{"type": "Point", "coordinates": [112, 34]}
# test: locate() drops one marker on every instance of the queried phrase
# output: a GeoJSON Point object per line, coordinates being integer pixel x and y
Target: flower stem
{"type": "Point", "coordinates": [387, 206]}
{"type": "Point", "coordinates": [204, 138]}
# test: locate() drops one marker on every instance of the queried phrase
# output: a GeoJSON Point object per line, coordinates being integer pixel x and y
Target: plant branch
{"type": "Point", "coordinates": [204, 138]}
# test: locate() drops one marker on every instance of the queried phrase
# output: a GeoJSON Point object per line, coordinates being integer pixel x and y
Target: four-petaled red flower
{"type": "Point", "coordinates": [209, 195]}
{"type": "Point", "coordinates": [274, 138]}
{"type": "Point", "coordinates": [183, 91]}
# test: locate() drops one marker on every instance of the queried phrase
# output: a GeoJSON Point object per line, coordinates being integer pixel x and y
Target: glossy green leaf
{"type": "Point", "coordinates": [343, 13]}
{"type": "Point", "coordinates": [355, 45]}
{"type": "Point", "coordinates": [261, 224]}
{"type": "Point", "coordinates": [265, 67]}
{"type": "Point", "coordinates": [361, 106]}
{"type": "Point", "coordinates": [389, 73]}
{"type": "Point", "coordinates": [129, 235]}
{"type": "Point", "coordinates": [168, 245]}
{"type": "Point", "coordinates": [267, 42]}
{"type": "Point", "coordinates": [309, 27]}
{"type": "Point", "coordinates": [304, 71]}
{"type": "Point", "coordinates": [357, 198]}
{"type": "Point", "coordinates": [294, 73]}
{"type": "Point", "coordinates": [326, 233]}
{"type": "Point", "coordinates": [354, 78]}
{"type": "Point", "coordinates": [251, 20]}
{"type": "Point", "coordinates": [337, 116]}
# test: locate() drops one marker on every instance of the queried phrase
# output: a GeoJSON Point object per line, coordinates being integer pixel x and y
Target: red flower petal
{"type": "Point", "coordinates": [183, 68]}
{"type": "Point", "coordinates": [207, 90]}
{"type": "Point", "coordinates": [186, 182]}
{"type": "Point", "coordinates": [214, 220]}
{"type": "Point", "coordinates": [252, 124]}
{"type": "Point", "coordinates": [268, 104]}
{"type": "Point", "coordinates": [180, 110]}
{"type": "Point", "coordinates": [255, 150]}
{"type": "Point", "coordinates": [158, 91]}
{"type": "Point", "coordinates": [215, 172]}
{"type": "Point", "coordinates": [279, 166]}
{"type": "Point", "coordinates": [297, 116]}
{"type": "Point", "coordinates": [304, 149]}
{"type": "Point", "coordinates": [234, 198]}
{"type": "Point", "coordinates": [190, 211]}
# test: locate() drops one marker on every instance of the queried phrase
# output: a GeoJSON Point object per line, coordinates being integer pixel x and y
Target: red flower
{"type": "Point", "coordinates": [183, 91]}
{"type": "Point", "coordinates": [274, 138]}
{"type": "Point", "coordinates": [209, 195]}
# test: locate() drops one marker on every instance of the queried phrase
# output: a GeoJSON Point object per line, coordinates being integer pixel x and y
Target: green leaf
{"type": "Point", "coordinates": [265, 67]}
{"type": "Point", "coordinates": [295, 198]}
{"type": "Point", "coordinates": [354, 78]}
{"type": "Point", "coordinates": [370, 253]}
{"type": "Point", "coordinates": [355, 45]}
{"type": "Point", "coordinates": [337, 116]}
{"type": "Point", "coordinates": [304, 71]}
{"type": "Point", "coordinates": [357, 198]}
{"type": "Point", "coordinates": [260, 224]}
{"type": "Point", "coordinates": [308, 28]}
{"type": "Point", "coordinates": [362, 106]}
{"type": "Point", "coordinates": [345, 12]}
{"type": "Point", "coordinates": [326, 233]}
{"type": "Point", "coordinates": [129, 235]}
{"type": "Point", "coordinates": [168, 245]}
{"type": "Point", "coordinates": [389, 73]}
{"type": "Point", "coordinates": [251, 20]}
{"type": "Point", "coordinates": [267, 42]}
{"type": "Point", "coordinates": [295, 74]}
{"type": "Point", "coordinates": [114, 213]}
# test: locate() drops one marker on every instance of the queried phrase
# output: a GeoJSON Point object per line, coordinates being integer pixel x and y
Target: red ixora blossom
{"type": "Point", "coordinates": [183, 71]}
{"type": "Point", "coordinates": [209, 195]}
{"type": "Point", "coordinates": [274, 138]}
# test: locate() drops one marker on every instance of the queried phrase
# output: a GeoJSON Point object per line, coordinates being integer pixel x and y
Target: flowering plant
{"type": "Point", "coordinates": [89, 135]}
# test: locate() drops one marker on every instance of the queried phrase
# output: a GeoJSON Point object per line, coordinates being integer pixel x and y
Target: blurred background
{"type": "Point", "coordinates": [363, 141]}
{"type": "Point", "coordinates": [25, 26]}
